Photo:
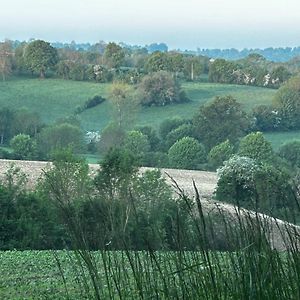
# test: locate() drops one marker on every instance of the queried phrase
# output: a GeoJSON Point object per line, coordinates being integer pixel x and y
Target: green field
{"type": "Point", "coordinates": [279, 138]}
{"type": "Point", "coordinates": [56, 98]}
{"type": "Point", "coordinates": [144, 275]}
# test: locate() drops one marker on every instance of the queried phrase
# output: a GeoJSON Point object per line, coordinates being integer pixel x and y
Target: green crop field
{"type": "Point", "coordinates": [57, 98]}
{"type": "Point", "coordinates": [148, 275]}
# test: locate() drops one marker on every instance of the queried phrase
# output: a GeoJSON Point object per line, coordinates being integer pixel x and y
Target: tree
{"type": "Point", "coordinates": [220, 153]}
{"type": "Point", "coordinates": [151, 135]}
{"type": "Point", "coordinates": [280, 75]}
{"type": "Point", "coordinates": [124, 104]}
{"type": "Point", "coordinates": [255, 146]}
{"type": "Point", "coordinates": [168, 125]}
{"type": "Point", "coordinates": [248, 184]}
{"type": "Point", "coordinates": [40, 56]}
{"type": "Point", "coordinates": [220, 120]}
{"type": "Point", "coordinates": [113, 55]}
{"type": "Point", "coordinates": [187, 153]}
{"type": "Point", "coordinates": [6, 54]}
{"type": "Point", "coordinates": [112, 136]}
{"type": "Point", "coordinates": [158, 61]}
{"type": "Point", "coordinates": [287, 103]}
{"type": "Point", "coordinates": [179, 133]}
{"type": "Point", "coordinates": [221, 71]}
{"type": "Point", "coordinates": [19, 59]}
{"type": "Point", "coordinates": [26, 122]}
{"type": "Point", "coordinates": [24, 146]}
{"type": "Point", "coordinates": [59, 136]}
{"type": "Point", "coordinates": [291, 152]}
{"type": "Point", "coordinates": [137, 143]}
{"type": "Point", "coordinates": [266, 118]}
{"type": "Point", "coordinates": [192, 67]}
{"type": "Point", "coordinates": [118, 168]}
{"type": "Point", "coordinates": [160, 89]}
{"type": "Point", "coordinates": [176, 63]}
{"type": "Point", "coordinates": [7, 117]}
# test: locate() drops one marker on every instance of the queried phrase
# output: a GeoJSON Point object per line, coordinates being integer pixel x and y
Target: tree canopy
{"type": "Point", "coordinates": [40, 56]}
{"type": "Point", "coordinates": [220, 120]}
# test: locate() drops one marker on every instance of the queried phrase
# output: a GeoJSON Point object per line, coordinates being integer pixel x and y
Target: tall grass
{"type": "Point", "coordinates": [262, 260]}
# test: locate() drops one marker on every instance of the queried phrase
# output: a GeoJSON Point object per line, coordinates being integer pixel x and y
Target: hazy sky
{"type": "Point", "coordinates": [181, 24]}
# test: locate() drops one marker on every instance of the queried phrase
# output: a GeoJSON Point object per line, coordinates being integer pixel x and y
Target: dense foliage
{"type": "Point", "coordinates": [220, 120]}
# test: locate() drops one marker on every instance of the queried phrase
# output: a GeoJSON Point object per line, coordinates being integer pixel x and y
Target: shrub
{"type": "Point", "coordinates": [90, 103]}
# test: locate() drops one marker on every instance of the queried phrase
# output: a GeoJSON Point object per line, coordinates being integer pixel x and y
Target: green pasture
{"type": "Point", "coordinates": [279, 138]}
{"type": "Point", "coordinates": [56, 98]}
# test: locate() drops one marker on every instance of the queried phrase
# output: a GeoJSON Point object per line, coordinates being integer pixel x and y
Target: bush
{"type": "Point", "coordinates": [90, 103]}
{"type": "Point", "coordinates": [187, 153]}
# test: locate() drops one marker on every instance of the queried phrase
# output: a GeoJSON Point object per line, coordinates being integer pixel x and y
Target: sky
{"type": "Point", "coordinates": [181, 24]}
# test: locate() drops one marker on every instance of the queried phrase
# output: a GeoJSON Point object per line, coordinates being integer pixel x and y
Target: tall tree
{"type": "Point", "coordinates": [192, 67]}
{"type": "Point", "coordinates": [6, 121]}
{"type": "Point", "coordinates": [124, 104]}
{"type": "Point", "coordinates": [113, 55]}
{"type": "Point", "coordinates": [287, 103]}
{"type": "Point", "coordinates": [40, 56]}
{"type": "Point", "coordinates": [6, 54]}
{"type": "Point", "coordinates": [220, 120]}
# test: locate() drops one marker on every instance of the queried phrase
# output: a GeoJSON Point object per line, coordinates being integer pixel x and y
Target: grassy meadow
{"type": "Point", "coordinates": [57, 98]}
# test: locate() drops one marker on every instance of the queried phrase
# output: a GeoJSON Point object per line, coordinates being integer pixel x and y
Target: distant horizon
{"type": "Point", "coordinates": [143, 45]}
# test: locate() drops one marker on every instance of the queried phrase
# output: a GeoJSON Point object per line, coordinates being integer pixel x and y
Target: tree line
{"type": "Point", "coordinates": [106, 62]}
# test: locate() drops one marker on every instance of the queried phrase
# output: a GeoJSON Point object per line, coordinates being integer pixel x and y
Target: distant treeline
{"type": "Point", "coordinates": [279, 54]}
{"type": "Point", "coordinates": [273, 54]}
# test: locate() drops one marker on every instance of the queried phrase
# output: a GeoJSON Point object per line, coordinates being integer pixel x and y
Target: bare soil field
{"type": "Point", "coordinates": [204, 181]}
